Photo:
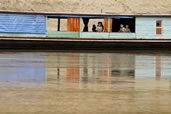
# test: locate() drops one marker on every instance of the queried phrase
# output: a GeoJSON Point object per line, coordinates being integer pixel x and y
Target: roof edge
{"type": "Point", "coordinates": [85, 14]}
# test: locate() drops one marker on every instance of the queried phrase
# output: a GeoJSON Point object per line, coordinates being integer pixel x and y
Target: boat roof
{"type": "Point", "coordinates": [80, 14]}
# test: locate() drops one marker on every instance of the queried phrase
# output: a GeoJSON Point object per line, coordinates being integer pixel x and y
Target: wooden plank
{"type": "Point", "coordinates": [85, 39]}
{"type": "Point", "coordinates": [94, 35]}
{"type": "Point", "coordinates": [20, 35]}
{"type": "Point", "coordinates": [63, 34]}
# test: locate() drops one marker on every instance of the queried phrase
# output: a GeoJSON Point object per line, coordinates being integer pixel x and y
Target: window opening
{"type": "Point", "coordinates": [158, 27]}
{"type": "Point", "coordinates": [123, 25]}
{"type": "Point", "coordinates": [94, 25]}
{"type": "Point", "coordinates": [63, 24]}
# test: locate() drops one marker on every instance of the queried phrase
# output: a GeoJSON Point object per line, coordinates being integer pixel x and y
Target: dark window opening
{"type": "Point", "coordinates": [116, 22]}
{"type": "Point", "coordinates": [158, 27]}
{"type": "Point", "coordinates": [158, 23]}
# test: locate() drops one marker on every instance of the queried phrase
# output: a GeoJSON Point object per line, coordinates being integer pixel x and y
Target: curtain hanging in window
{"type": "Point", "coordinates": [106, 24]}
{"type": "Point", "coordinates": [111, 24]}
{"type": "Point", "coordinates": [73, 24]}
{"type": "Point", "coordinates": [85, 21]}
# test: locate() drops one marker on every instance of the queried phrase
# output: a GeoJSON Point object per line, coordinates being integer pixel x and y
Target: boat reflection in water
{"type": "Point", "coordinates": [99, 68]}
{"type": "Point", "coordinates": [87, 69]}
{"type": "Point", "coordinates": [74, 82]}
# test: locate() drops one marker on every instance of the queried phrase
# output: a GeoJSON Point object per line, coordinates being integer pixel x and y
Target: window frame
{"type": "Point", "coordinates": [159, 27]}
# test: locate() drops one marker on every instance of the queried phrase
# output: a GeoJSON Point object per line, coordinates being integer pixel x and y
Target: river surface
{"type": "Point", "coordinates": [61, 82]}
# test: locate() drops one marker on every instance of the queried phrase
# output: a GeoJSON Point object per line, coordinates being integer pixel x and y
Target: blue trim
{"type": "Point", "coordinates": [96, 17]}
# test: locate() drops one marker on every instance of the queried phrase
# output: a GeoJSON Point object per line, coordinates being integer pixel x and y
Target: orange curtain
{"type": "Point", "coordinates": [73, 24]}
{"type": "Point", "coordinates": [105, 24]}
{"type": "Point", "coordinates": [111, 24]}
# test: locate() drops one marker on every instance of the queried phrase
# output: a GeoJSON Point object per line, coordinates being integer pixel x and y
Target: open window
{"type": "Point", "coordinates": [159, 27]}
{"type": "Point", "coordinates": [57, 24]}
{"type": "Point", "coordinates": [117, 21]}
{"type": "Point", "coordinates": [63, 24]}
{"type": "Point", "coordinates": [95, 24]}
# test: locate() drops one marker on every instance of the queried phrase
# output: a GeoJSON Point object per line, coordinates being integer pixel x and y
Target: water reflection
{"type": "Point", "coordinates": [98, 68]}
{"type": "Point", "coordinates": [22, 67]}
{"type": "Point", "coordinates": [82, 67]}
{"type": "Point", "coordinates": [78, 82]}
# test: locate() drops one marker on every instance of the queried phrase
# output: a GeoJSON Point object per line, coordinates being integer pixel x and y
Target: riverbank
{"type": "Point", "coordinates": [88, 6]}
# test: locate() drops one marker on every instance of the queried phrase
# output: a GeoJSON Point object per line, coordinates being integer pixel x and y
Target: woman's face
{"type": "Point", "coordinates": [121, 25]}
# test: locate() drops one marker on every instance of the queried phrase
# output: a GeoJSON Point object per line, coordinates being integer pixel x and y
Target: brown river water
{"type": "Point", "coordinates": [61, 82]}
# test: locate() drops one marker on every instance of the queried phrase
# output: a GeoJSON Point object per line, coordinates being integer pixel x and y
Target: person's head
{"type": "Point", "coordinates": [99, 23]}
{"type": "Point", "coordinates": [121, 25]}
{"type": "Point", "coordinates": [127, 26]}
{"type": "Point", "coordinates": [94, 26]}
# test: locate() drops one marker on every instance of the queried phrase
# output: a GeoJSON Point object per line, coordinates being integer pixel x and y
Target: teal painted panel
{"type": "Point", "coordinates": [94, 35]}
{"type": "Point", "coordinates": [167, 28]}
{"type": "Point", "coordinates": [122, 35]}
{"type": "Point", "coordinates": [146, 27]}
{"type": "Point", "coordinates": [21, 35]}
{"type": "Point", "coordinates": [107, 35]}
{"type": "Point", "coordinates": [63, 34]}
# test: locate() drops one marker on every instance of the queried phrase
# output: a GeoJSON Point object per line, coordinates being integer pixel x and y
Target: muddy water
{"type": "Point", "coordinates": [85, 83]}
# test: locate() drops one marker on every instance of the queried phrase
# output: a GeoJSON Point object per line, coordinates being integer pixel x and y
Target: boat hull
{"type": "Point", "coordinates": [82, 43]}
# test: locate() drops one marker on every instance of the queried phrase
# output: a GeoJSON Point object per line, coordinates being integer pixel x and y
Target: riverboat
{"type": "Point", "coordinates": [74, 30]}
